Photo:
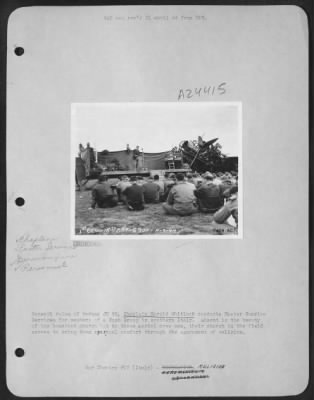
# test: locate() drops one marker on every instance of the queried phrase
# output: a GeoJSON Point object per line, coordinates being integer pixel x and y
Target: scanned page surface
{"type": "Point", "coordinates": [115, 287]}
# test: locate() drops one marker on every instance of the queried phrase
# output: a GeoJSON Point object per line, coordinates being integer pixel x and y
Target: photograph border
{"type": "Point", "coordinates": [97, 237]}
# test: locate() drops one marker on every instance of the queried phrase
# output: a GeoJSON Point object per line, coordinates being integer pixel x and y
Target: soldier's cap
{"type": "Point", "coordinates": [208, 175]}
{"type": "Point", "coordinates": [230, 191]}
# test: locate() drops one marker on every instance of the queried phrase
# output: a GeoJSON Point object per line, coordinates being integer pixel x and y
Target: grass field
{"type": "Point", "coordinates": [151, 221]}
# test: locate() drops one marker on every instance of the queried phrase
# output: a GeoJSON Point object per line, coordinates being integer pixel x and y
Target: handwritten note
{"type": "Point", "coordinates": [204, 91]}
{"type": "Point", "coordinates": [41, 253]}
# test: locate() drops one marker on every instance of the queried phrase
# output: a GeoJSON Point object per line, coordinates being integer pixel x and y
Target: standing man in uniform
{"type": "Point", "coordinates": [136, 156]}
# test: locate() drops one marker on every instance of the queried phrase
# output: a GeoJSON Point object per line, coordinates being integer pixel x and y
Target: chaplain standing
{"type": "Point", "coordinates": [136, 156]}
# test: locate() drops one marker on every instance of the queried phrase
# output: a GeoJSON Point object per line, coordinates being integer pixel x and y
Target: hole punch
{"type": "Point", "coordinates": [20, 201]}
{"type": "Point", "coordinates": [19, 352]}
{"type": "Point", "coordinates": [19, 51]}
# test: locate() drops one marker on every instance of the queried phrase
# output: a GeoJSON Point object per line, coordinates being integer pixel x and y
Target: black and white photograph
{"type": "Point", "coordinates": [157, 169]}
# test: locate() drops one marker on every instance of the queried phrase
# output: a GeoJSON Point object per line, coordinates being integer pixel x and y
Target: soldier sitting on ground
{"type": "Point", "coordinates": [103, 195]}
{"type": "Point", "coordinates": [134, 196]}
{"type": "Point", "coordinates": [209, 195]}
{"type": "Point", "coordinates": [121, 186]}
{"type": "Point", "coordinates": [161, 185]}
{"type": "Point", "coordinates": [230, 208]}
{"type": "Point", "coordinates": [151, 191]}
{"type": "Point", "coordinates": [181, 199]}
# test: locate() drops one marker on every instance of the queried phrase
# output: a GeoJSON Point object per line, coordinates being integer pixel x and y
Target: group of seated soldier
{"type": "Point", "coordinates": [181, 195]}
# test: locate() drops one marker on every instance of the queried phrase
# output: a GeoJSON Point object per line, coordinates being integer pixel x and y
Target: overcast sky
{"type": "Point", "coordinates": [155, 127]}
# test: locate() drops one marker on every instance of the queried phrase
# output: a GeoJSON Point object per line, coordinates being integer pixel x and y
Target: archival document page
{"type": "Point", "coordinates": [157, 201]}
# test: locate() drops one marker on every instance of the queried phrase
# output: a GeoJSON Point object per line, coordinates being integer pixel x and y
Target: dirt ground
{"type": "Point", "coordinates": [151, 221]}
